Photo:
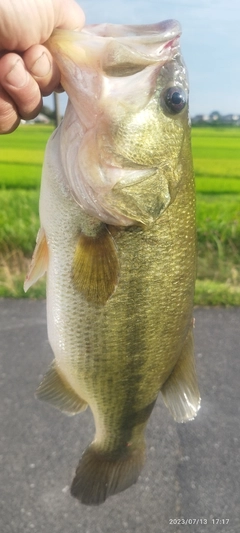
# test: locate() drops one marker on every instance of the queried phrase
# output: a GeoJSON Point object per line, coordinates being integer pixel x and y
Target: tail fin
{"type": "Point", "coordinates": [100, 475]}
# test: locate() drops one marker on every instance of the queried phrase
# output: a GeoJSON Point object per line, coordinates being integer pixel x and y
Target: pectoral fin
{"type": "Point", "coordinates": [180, 391]}
{"type": "Point", "coordinates": [95, 267]}
{"type": "Point", "coordinates": [55, 390]}
{"type": "Point", "coordinates": [39, 261]}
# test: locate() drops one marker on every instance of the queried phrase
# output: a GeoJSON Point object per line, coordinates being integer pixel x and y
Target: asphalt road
{"type": "Point", "coordinates": [192, 471]}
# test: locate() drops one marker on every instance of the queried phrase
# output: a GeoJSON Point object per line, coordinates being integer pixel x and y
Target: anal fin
{"type": "Point", "coordinates": [95, 267]}
{"type": "Point", "coordinates": [39, 261]}
{"type": "Point", "coordinates": [180, 391]}
{"type": "Point", "coordinates": [55, 390]}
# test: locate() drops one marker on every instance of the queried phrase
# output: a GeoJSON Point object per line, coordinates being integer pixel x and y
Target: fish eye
{"type": "Point", "coordinates": [175, 99]}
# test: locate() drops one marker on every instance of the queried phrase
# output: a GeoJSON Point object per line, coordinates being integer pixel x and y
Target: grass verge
{"type": "Point", "coordinates": [208, 292]}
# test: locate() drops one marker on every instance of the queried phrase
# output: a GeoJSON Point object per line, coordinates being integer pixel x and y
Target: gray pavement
{"type": "Point", "coordinates": [192, 470]}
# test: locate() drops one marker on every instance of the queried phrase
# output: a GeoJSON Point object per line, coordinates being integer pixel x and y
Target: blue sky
{"type": "Point", "coordinates": [210, 43]}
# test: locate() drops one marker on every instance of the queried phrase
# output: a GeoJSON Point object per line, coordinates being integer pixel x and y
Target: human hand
{"type": "Point", "coordinates": [27, 69]}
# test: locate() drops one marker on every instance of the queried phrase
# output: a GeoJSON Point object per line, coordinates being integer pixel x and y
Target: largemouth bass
{"type": "Point", "coordinates": [117, 239]}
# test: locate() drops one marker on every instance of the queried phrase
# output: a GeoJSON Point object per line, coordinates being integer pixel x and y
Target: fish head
{"type": "Point", "coordinates": [124, 131]}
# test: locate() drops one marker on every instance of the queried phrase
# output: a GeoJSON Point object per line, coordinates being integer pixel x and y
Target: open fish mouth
{"type": "Point", "coordinates": [112, 47]}
{"type": "Point", "coordinates": [122, 41]}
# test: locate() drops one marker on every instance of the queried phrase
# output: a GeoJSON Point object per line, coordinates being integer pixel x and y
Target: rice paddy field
{"type": "Point", "coordinates": [216, 154]}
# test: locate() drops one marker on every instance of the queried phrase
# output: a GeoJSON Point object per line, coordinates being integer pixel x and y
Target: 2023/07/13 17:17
{"type": "Point", "coordinates": [197, 521]}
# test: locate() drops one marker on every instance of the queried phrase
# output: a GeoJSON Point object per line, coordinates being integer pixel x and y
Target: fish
{"type": "Point", "coordinates": [117, 240]}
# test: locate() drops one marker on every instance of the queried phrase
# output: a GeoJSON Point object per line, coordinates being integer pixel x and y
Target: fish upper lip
{"type": "Point", "coordinates": [159, 32]}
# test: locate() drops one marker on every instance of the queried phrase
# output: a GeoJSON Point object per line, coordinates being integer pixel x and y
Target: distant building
{"type": "Point", "coordinates": [43, 119]}
{"type": "Point", "coordinates": [231, 119]}
{"type": "Point", "coordinates": [40, 119]}
{"type": "Point", "coordinates": [200, 119]}
{"type": "Point", "coordinates": [216, 119]}
{"type": "Point", "coordinates": [215, 116]}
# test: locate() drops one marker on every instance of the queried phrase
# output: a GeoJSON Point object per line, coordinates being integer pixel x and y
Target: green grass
{"type": "Point", "coordinates": [218, 232]}
{"type": "Point", "coordinates": [208, 292]}
{"type": "Point", "coordinates": [21, 157]}
{"type": "Point", "coordinates": [216, 153]}
{"type": "Point", "coordinates": [19, 221]}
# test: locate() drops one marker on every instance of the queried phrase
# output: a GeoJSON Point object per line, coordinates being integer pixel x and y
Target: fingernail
{"type": "Point", "coordinates": [17, 76]}
{"type": "Point", "coordinates": [41, 67]}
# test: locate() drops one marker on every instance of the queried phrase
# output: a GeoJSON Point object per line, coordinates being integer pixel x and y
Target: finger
{"type": "Point", "coordinates": [8, 113]}
{"type": "Point", "coordinates": [20, 86]}
{"type": "Point", "coordinates": [43, 69]}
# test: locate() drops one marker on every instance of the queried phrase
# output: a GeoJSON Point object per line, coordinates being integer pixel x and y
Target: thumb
{"type": "Point", "coordinates": [68, 15]}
